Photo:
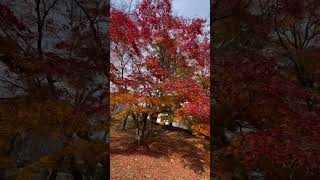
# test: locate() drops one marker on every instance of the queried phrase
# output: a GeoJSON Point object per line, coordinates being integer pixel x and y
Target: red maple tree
{"type": "Point", "coordinates": [265, 88]}
{"type": "Point", "coordinates": [162, 62]}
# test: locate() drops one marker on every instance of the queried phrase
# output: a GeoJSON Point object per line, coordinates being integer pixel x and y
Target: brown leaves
{"type": "Point", "coordinates": [89, 152]}
{"type": "Point", "coordinates": [122, 98]}
{"type": "Point", "coordinates": [42, 116]}
{"type": "Point", "coordinates": [201, 130]}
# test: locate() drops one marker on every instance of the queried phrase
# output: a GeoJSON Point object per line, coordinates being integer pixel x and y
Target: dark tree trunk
{"type": "Point", "coordinates": [53, 175]}
{"type": "Point", "coordinates": [153, 119]}
{"type": "Point", "coordinates": [12, 143]}
{"type": "Point", "coordinates": [136, 121]}
{"type": "Point", "coordinates": [83, 135]}
{"type": "Point", "coordinates": [76, 174]}
{"type": "Point", "coordinates": [143, 130]}
{"type": "Point", "coordinates": [106, 171]}
{"type": "Point", "coordinates": [125, 122]}
{"type": "Point", "coordinates": [142, 136]}
{"type": "Point", "coordinates": [51, 86]}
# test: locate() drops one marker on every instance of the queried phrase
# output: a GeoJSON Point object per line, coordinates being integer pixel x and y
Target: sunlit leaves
{"type": "Point", "coordinates": [123, 29]}
{"type": "Point", "coordinates": [170, 70]}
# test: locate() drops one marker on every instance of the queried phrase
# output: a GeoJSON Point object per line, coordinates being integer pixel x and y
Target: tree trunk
{"type": "Point", "coordinates": [106, 165]}
{"type": "Point", "coordinates": [125, 122]}
{"type": "Point", "coordinates": [76, 174]}
{"type": "Point", "coordinates": [143, 130]}
{"type": "Point", "coordinates": [53, 175]}
{"type": "Point", "coordinates": [153, 119]}
{"type": "Point", "coordinates": [142, 136]}
{"type": "Point", "coordinates": [51, 86]}
{"type": "Point", "coordinates": [136, 121]}
{"type": "Point", "coordinates": [74, 170]}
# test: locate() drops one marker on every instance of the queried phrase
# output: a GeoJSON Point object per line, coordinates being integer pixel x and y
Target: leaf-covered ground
{"type": "Point", "coordinates": [170, 155]}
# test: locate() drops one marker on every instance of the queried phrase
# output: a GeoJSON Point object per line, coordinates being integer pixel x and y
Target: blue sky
{"type": "Point", "coordinates": [192, 8]}
{"type": "Point", "coordinates": [186, 8]}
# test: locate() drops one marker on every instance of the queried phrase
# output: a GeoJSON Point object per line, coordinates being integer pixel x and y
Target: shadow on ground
{"type": "Point", "coordinates": [178, 145]}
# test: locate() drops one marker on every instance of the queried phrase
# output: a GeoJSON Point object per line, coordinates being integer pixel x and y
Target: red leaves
{"type": "Point", "coordinates": [196, 26]}
{"type": "Point", "coordinates": [124, 82]}
{"type": "Point", "coordinates": [282, 149]}
{"type": "Point", "coordinates": [200, 110]}
{"type": "Point", "coordinates": [287, 132]}
{"type": "Point", "coordinates": [197, 99]}
{"type": "Point", "coordinates": [173, 50]}
{"type": "Point", "coordinates": [122, 29]}
{"type": "Point", "coordinates": [294, 8]}
{"type": "Point", "coordinates": [6, 15]}
{"type": "Point", "coordinates": [161, 73]}
{"type": "Point", "coordinates": [62, 45]}
{"type": "Point", "coordinates": [154, 66]}
{"type": "Point", "coordinates": [152, 63]}
{"type": "Point", "coordinates": [54, 65]}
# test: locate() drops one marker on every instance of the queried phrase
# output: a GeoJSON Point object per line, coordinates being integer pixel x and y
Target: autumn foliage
{"type": "Point", "coordinates": [160, 65]}
{"type": "Point", "coordinates": [53, 82]}
{"type": "Point", "coordinates": [266, 88]}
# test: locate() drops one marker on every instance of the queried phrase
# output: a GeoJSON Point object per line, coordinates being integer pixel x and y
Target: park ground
{"type": "Point", "coordinates": [169, 155]}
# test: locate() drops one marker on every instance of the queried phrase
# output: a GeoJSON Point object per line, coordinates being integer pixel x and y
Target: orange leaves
{"type": "Point", "coordinates": [140, 109]}
{"type": "Point", "coordinates": [89, 152]}
{"type": "Point", "coordinates": [122, 98]}
{"type": "Point", "coordinates": [165, 100]}
{"type": "Point", "coordinates": [201, 130]}
{"type": "Point", "coordinates": [41, 115]}
{"type": "Point", "coordinates": [152, 63]}
{"type": "Point", "coordinates": [140, 102]}
{"type": "Point", "coordinates": [173, 67]}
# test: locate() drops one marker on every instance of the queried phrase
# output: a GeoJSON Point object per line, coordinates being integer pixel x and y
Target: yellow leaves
{"type": "Point", "coordinates": [41, 115]}
{"type": "Point", "coordinates": [205, 82]}
{"type": "Point", "coordinates": [122, 98]}
{"type": "Point", "coordinates": [140, 109]}
{"type": "Point", "coordinates": [120, 115]}
{"type": "Point", "coordinates": [47, 162]}
{"type": "Point", "coordinates": [162, 101]}
{"type": "Point", "coordinates": [129, 103]}
{"type": "Point", "coordinates": [201, 130]}
{"type": "Point", "coordinates": [82, 150]}
{"type": "Point", "coordinates": [127, 98]}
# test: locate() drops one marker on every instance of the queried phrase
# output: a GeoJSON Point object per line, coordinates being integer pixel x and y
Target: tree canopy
{"type": "Point", "coordinates": [265, 79]}
{"type": "Point", "coordinates": [160, 64]}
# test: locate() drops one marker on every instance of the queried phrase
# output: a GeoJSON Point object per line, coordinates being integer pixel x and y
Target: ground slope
{"type": "Point", "coordinates": [170, 155]}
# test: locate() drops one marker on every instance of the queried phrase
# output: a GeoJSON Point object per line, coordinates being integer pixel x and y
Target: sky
{"type": "Point", "coordinates": [192, 8]}
{"type": "Point", "coordinates": [186, 8]}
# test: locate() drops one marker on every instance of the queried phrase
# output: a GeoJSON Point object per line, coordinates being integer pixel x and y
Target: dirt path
{"type": "Point", "coordinates": [171, 155]}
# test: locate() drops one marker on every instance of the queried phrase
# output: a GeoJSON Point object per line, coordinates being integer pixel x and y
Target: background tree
{"type": "Point", "coordinates": [263, 94]}
{"type": "Point", "coordinates": [54, 71]}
